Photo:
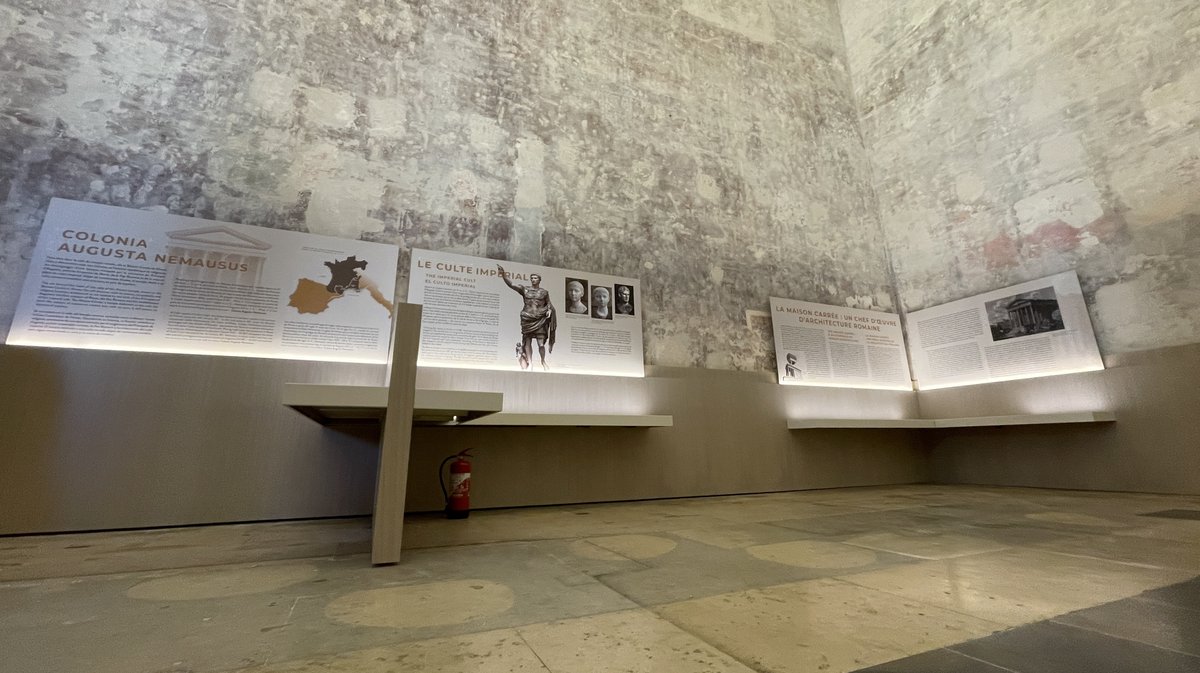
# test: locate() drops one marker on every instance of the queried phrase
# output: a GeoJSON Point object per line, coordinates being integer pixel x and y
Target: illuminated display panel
{"type": "Point", "coordinates": [1037, 328]}
{"type": "Point", "coordinates": [121, 279]}
{"type": "Point", "coordinates": [541, 320]}
{"type": "Point", "coordinates": [838, 347]}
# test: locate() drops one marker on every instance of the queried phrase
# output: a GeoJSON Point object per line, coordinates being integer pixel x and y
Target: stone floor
{"type": "Point", "coordinates": [927, 578]}
{"type": "Point", "coordinates": [1158, 630]}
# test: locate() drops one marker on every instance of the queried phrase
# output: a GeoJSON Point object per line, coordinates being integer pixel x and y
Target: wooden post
{"type": "Point", "coordinates": [395, 439]}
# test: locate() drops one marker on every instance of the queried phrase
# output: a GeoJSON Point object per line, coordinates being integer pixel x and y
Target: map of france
{"type": "Point", "coordinates": [314, 297]}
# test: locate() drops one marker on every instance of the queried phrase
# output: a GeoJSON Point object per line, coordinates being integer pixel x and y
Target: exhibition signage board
{"type": "Point", "coordinates": [1033, 329]}
{"type": "Point", "coordinates": [822, 345]}
{"type": "Point", "coordinates": [483, 314]}
{"type": "Point", "coordinates": [121, 279]}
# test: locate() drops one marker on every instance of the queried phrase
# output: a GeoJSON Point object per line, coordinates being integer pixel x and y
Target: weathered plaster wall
{"type": "Point", "coordinates": [709, 147]}
{"type": "Point", "coordinates": [1012, 139]}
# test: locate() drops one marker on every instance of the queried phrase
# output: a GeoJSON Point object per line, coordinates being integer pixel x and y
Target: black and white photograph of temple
{"type": "Point", "coordinates": [1035, 312]}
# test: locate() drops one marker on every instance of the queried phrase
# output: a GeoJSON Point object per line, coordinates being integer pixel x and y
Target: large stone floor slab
{"type": "Point", "coordinates": [829, 581]}
{"type": "Point", "coordinates": [822, 625]}
{"type": "Point", "coordinates": [1016, 586]}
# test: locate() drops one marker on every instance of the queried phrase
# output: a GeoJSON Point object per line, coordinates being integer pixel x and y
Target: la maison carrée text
{"type": "Point", "coordinates": [836, 318]}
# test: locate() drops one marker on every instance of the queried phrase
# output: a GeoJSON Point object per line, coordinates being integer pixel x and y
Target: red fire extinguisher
{"type": "Point", "coordinates": [458, 498]}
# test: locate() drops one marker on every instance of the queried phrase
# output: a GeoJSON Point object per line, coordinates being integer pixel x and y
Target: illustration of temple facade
{"type": "Point", "coordinates": [226, 255]}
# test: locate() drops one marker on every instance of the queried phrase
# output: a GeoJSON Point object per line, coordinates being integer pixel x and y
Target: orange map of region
{"type": "Point", "coordinates": [311, 297]}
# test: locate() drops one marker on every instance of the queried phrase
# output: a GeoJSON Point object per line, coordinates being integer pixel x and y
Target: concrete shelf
{"type": "Point", "coordinates": [966, 422]}
{"type": "Point", "coordinates": [347, 404]}
{"type": "Point", "coordinates": [815, 423]}
{"type": "Point", "coordinates": [328, 404]}
{"type": "Point", "coordinates": [343, 404]}
{"type": "Point", "coordinates": [1027, 419]}
{"type": "Point", "coordinates": [579, 420]}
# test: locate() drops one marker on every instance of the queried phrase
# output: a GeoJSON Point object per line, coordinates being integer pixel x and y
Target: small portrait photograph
{"type": "Point", "coordinates": [601, 302]}
{"type": "Point", "coordinates": [577, 296]}
{"type": "Point", "coordinates": [791, 370]}
{"type": "Point", "coordinates": [624, 299]}
{"type": "Point", "coordinates": [1025, 314]}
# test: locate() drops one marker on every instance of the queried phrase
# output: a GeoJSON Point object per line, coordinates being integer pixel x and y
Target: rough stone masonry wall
{"type": "Point", "coordinates": [709, 147]}
{"type": "Point", "coordinates": [1012, 139]}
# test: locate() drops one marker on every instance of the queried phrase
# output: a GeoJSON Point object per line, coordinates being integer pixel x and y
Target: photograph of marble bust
{"type": "Point", "coordinates": [577, 292]}
{"type": "Point", "coordinates": [624, 303]}
{"type": "Point", "coordinates": [601, 296]}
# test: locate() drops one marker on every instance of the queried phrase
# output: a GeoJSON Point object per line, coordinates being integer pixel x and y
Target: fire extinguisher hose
{"type": "Point", "coordinates": [465, 453]}
{"type": "Point", "coordinates": [441, 481]}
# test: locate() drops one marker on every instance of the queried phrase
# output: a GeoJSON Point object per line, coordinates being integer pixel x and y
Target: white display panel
{"type": "Point", "coordinates": [587, 323]}
{"type": "Point", "coordinates": [1038, 328]}
{"type": "Point", "coordinates": [822, 345]}
{"type": "Point", "coordinates": [121, 279]}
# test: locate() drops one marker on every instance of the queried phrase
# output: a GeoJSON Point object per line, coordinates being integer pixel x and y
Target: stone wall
{"type": "Point", "coordinates": [1012, 139]}
{"type": "Point", "coordinates": [709, 147]}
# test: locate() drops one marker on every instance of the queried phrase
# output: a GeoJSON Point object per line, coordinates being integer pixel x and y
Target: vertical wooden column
{"type": "Point", "coordinates": [392, 482]}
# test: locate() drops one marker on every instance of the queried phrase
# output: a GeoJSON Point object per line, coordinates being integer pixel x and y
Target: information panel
{"type": "Point", "coordinates": [822, 345]}
{"type": "Point", "coordinates": [121, 279]}
{"type": "Point", "coordinates": [483, 314]}
{"type": "Point", "coordinates": [1036, 328]}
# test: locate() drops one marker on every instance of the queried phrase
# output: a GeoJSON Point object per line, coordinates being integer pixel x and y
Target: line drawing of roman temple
{"type": "Point", "coordinates": [218, 244]}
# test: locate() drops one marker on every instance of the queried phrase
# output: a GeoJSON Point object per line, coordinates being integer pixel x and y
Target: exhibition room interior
{"type": "Point", "coordinates": [640, 335]}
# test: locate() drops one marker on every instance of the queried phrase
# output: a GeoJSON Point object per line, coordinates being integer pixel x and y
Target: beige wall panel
{"type": "Point", "coordinates": [101, 439]}
{"type": "Point", "coordinates": [95, 439]}
{"type": "Point", "coordinates": [730, 436]}
{"type": "Point", "coordinates": [1154, 445]}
